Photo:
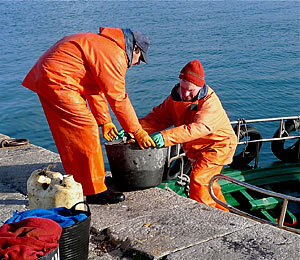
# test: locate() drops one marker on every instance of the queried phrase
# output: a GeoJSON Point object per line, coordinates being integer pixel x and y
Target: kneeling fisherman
{"type": "Point", "coordinates": [200, 124]}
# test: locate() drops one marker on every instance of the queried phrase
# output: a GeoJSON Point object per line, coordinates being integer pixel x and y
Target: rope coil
{"type": "Point", "coordinates": [13, 142]}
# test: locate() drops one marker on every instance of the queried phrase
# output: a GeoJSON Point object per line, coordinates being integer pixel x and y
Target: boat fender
{"type": "Point", "coordinates": [250, 150]}
{"type": "Point", "coordinates": [290, 154]}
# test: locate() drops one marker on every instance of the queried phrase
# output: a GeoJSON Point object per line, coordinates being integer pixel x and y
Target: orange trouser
{"type": "Point", "coordinates": [201, 174]}
{"type": "Point", "coordinates": [76, 135]}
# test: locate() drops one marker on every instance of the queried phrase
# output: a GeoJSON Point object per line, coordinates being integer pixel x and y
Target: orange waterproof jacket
{"type": "Point", "coordinates": [201, 126]}
{"type": "Point", "coordinates": [93, 65]}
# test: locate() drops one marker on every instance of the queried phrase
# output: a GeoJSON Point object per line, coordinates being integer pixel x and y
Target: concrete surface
{"type": "Point", "coordinates": [151, 223]}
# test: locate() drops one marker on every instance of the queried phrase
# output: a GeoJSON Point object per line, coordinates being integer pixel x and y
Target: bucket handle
{"type": "Point", "coordinates": [74, 207]}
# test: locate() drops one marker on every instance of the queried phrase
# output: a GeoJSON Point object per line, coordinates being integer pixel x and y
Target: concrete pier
{"type": "Point", "coordinates": [151, 223]}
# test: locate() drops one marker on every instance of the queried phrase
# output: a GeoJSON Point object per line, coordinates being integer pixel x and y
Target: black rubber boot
{"type": "Point", "coordinates": [109, 181]}
{"type": "Point", "coordinates": [106, 197]}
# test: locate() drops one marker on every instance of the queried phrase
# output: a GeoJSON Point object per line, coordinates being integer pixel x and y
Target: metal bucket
{"type": "Point", "coordinates": [133, 168]}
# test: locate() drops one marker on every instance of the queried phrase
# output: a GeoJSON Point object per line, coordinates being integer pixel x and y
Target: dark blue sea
{"type": "Point", "coordinates": [250, 51]}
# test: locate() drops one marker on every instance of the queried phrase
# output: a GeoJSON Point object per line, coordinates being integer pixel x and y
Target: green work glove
{"type": "Point", "coordinates": [121, 134]}
{"type": "Point", "coordinates": [158, 139]}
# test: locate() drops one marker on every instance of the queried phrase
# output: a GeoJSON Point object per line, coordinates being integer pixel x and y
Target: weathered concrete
{"type": "Point", "coordinates": [151, 223]}
{"type": "Point", "coordinates": [255, 242]}
{"type": "Point", "coordinates": [10, 201]}
{"type": "Point", "coordinates": [18, 163]}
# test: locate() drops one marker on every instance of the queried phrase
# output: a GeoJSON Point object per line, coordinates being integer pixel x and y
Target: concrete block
{"type": "Point", "coordinates": [254, 242]}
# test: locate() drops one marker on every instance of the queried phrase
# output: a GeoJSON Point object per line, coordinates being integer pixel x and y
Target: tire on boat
{"type": "Point", "coordinates": [174, 170]}
{"type": "Point", "coordinates": [250, 150]}
{"type": "Point", "coordinates": [290, 154]}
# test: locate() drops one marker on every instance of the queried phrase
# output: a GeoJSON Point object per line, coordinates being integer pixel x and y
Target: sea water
{"type": "Point", "coordinates": [249, 50]}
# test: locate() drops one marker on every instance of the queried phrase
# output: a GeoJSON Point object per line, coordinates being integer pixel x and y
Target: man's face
{"type": "Point", "coordinates": [136, 56]}
{"type": "Point", "coordinates": [188, 91]}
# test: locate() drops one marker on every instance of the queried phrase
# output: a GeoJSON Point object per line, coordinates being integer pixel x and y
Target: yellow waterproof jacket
{"type": "Point", "coordinates": [201, 126]}
{"type": "Point", "coordinates": [93, 65]}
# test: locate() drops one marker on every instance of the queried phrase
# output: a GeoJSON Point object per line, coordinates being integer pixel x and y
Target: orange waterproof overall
{"type": "Point", "coordinates": [205, 131]}
{"type": "Point", "coordinates": [79, 68]}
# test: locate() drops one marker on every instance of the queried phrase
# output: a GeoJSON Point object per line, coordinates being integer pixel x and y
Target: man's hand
{"type": "Point", "coordinates": [158, 139]}
{"type": "Point", "coordinates": [143, 139]}
{"type": "Point", "coordinates": [109, 131]}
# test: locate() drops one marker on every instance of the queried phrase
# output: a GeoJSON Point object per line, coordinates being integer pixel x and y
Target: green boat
{"type": "Point", "coordinates": [268, 192]}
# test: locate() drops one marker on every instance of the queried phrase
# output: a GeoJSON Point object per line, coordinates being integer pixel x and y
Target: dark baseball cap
{"type": "Point", "coordinates": [143, 43]}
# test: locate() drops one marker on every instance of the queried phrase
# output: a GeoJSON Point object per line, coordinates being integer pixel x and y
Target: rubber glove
{"type": "Point", "coordinates": [158, 139]}
{"type": "Point", "coordinates": [143, 139]}
{"type": "Point", "coordinates": [109, 131]}
{"type": "Point", "coordinates": [121, 134]}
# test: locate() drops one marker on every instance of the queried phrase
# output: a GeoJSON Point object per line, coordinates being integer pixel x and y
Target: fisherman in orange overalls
{"type": "Point", "coordinates": [81, 68]}
{"type": "Point", "coordinates": [200, 124]}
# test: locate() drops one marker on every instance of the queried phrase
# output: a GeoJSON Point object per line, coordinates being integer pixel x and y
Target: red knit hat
{"type": "Point", "coordinates": [193, 72]}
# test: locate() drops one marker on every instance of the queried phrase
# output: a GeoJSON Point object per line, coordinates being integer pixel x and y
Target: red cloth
{"type": "Point", "coordinates": [28, 239]}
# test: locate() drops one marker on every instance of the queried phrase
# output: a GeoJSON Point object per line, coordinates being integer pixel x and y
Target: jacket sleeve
{"type": "Point", "coordinates": [110, 70]}
{"type": "Point", "coordinates": [159, 119]}
{"type": "Point", "coordinates": [99, 108]}
{"type": "Point", "coordinates": [209, 117]}
{"type": "Point", "coordinates": [184, 133]}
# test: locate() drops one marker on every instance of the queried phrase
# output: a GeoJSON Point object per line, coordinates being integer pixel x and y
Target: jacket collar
{"type": "Point", "coordinates": [129, 44]}
{"type": "Point", "coordinates": [176, 97]}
